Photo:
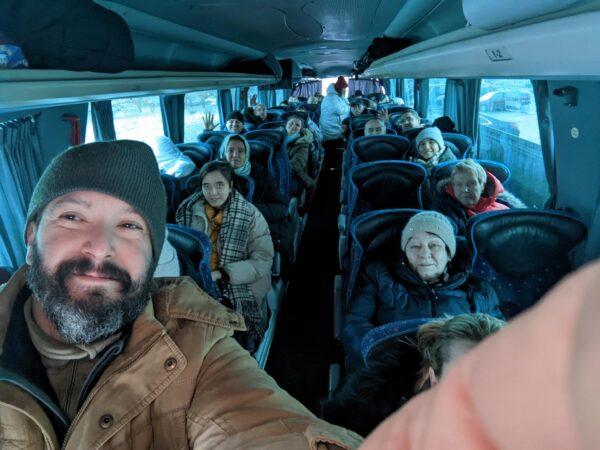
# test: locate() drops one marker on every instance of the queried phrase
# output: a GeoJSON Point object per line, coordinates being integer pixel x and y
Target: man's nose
{"type": "Point", "coordinates": [99, 244]}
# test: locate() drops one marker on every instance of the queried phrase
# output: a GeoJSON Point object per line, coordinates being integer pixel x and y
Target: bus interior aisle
{"type": "Point", "coordinates": [304, 346]}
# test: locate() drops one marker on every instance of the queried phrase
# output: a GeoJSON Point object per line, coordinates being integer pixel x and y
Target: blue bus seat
{"type": "Point", "coordinates": [463, 143]}
{"type": "Point", "coordinates": [523, 252]}
{"type": "Point", "coordinates": [279, 158]}
{"type": "Point", "coordinates": [194, 249]}
{"type": "Point", "coordinates": [173, 191]}
{"type": "Point", "coordinates": [360, 121]}
{"type": "Point", "coordinates": [199, 153]}
{"type": "Point", "coordinates": [386, 333]}
{"type": "Point", "coordinates": [274, 125]}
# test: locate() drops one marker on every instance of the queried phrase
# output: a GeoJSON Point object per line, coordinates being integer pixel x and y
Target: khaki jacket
{"type": "Point", "coordinates": [181, 381]}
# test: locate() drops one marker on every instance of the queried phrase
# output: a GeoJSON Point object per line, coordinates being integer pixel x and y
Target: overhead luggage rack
{"type": "Point", "coordinates": [25, 89]}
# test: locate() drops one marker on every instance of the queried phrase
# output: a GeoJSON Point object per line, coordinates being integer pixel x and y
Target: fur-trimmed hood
{"type": "Point", "coordinates": [493, 188]}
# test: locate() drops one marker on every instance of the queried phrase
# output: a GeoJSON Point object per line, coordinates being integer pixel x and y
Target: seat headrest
{"type": "Point", "coordinates": [272, 137]}
{"type": "Point", "coordinates": [206, 135]}
{"type": "Point", "coordinates": [273, 125]}
{"type": "Point", "coordinates": [360, 121]}
{"type": "Point", "coordinates": [378, 232]}
{"type": "Point", "coordinates": [186, 243]}
{"type": "Point", "coordinates": [412, 133]}
{"type": "Point", "coordinates": [461, 141]}
{"type": "Point", "coordinates": [379, 148]}
{"type": "Point", "coordinates": [260, 152]}
{"type": "Point", "coordinates": [499, 170]}
{"type": "Point", "coordinates": [380, 335]}
{"type": "Point", "coordinates": [524, 242]}
{"type": "Point", "coordinates": [389, 184]}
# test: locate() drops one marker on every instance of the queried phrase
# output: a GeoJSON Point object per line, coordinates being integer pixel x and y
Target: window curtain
{"type": "Point", "coordinates": [461, 104]}
{"type": "Point", "coordinates": [366, 86]}
{"type": "Point", "coordinates": [422, 96]}
{"type": "Point", "coordinates": [20, 168]}
{"type": "Point", "coordinates": [171, 108]}
{"type": "Point", "coordinates": [236, 99]}
{"type": "Point", "coordinates": [225, 104]}
{"type": "Point", "coordinates": [282, 95]}
{"type": "Point", "coordinates": [542, 103]}
{"type": "Point", "coordinates": [307, 89]}
{"type": "Point", "coordinates": [103, 121]}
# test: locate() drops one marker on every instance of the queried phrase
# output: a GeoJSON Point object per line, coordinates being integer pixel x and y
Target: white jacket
{"type": "Point", "coordinates": [334, 110]}
{"type": "Point", "coordinates": [170, 159]}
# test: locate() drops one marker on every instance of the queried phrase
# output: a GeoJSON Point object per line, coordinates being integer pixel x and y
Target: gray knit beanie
{"type": "Point", "coordinates": [126, 170]}
{"type": "Point", "coordinates": [430, 222]}
{"type": "Point", "coordinates": [432, 133]}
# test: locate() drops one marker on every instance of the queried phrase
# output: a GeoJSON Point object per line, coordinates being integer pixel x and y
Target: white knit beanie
{"type": "Point", "coordinates": [430, 222]}
{"type": "Point", "coordinates": [432, 133]}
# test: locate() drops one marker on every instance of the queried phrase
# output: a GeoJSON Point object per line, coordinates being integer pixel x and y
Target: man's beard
{"type": "Point", "coordinates": [92, 316]}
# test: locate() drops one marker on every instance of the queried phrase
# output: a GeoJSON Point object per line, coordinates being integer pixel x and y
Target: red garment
{"type": "Point", "coordinates": [531, 386]}
{"type": "Point", "coordinates": [493, 188]}
{"type": "Point", "coordinates": [341, 83]}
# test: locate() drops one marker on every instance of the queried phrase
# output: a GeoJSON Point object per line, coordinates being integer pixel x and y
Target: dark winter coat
{"type": "Point", "coordinates": [299, 152]}
{"type": "Point", "coordinates": [391, 292]}
{"type": "Point", "coordinates": [494, 197]}
{"type": "Point", "coordinates": [270, 202]}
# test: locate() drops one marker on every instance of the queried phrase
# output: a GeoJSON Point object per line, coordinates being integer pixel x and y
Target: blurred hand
{"type": "Point", "coordinates": [209, 121]}
{"type": "Point", "coordinates": [215, 275]}
{"type": "Point", "coordinates": [383, 115]}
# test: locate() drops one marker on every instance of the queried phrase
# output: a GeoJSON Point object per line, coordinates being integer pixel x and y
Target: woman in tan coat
{"type": "Point", "coordinates": [242, 251]}
{"type": "Point", "coordinates": [299, 142]}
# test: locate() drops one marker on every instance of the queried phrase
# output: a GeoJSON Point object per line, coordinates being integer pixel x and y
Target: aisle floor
{"type": "Point", "coordinates": [304, 345]}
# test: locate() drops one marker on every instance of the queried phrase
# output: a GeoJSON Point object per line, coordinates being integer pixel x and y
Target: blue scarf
{"type": "Point", "coordinates": [243, 171]}
{"type": "Point", "coordinates": [292, 137]}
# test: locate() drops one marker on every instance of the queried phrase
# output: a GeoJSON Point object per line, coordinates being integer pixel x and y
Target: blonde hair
{"type": "Point", "coordinates": [435, 337]}
{"type": "Point", "coordinates": [470, 166]}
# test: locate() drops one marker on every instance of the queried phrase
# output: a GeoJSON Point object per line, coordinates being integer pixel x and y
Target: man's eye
{"type": "Point", "coordinates": [70, 217]}
{"type": "Point", "coordinates": [131, 226]}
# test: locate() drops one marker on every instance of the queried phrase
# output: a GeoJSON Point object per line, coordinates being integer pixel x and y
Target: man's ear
{"type": "Point", "coordinates": [30, 240]}
{"type": "Point", "coordinates": [433, 379]}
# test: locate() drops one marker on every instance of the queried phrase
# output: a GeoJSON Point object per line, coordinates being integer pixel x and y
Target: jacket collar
{"type": "Point", "coordinates": [407, 275]}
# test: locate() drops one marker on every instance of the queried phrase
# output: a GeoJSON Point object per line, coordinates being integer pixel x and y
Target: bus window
{"type": "Point", "coordinates": [509, 133]}
{"type": "Point", "coordinates": [408, 91]}
{"type": "Point", "coordinates": [138, 119]}
{"type": "Point", "coordinates": [197, 105]}
{"type": "Point", "coordinates": [89, 128]}
{"type": "Point", "coordinates": [435, 105]}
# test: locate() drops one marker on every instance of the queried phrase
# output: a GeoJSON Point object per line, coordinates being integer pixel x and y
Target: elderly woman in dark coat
{"type": "Point", "coordinates": [423, 283]}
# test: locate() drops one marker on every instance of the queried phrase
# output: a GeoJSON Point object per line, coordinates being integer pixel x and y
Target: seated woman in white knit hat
{"type": "Point", "coordinates": [428, 279]}
{"type": "Point", "coordinates": [431, 149]}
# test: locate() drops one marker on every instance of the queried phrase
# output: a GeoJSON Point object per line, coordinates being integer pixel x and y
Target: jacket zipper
{"type": "Point", "coordinates": [94, 391]}
{"type": "Point", "coordinates": [434, 302]}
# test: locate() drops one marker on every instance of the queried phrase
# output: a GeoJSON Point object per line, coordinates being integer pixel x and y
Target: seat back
{"type": "Point", "coordinates": [193, 249]}
{"type": "Point", "coordinates": [384, 185]}
{"type": "Point", "coordinates": [523, 252]}
{"type": "Point", "coordinates": [380, 148]}
{"type": "Point", "coordinates": [392, 108]}
{"type": "Point", "coordinates": [260, 152]}
{"type": "Point", "coordinates": [280, 159]}
{"type": "Point", "coordinates": [360, 121]}
{"type": "Point", "coordinates": [173, 191]}
{"type": "Point", "coordinates": [463, 143]}
{"type": "Point", "coordinates": [206, 135]}
{"type": "Point", "coordinates": [200, 153]}
{"type": "Point", "coordinates": [360, 132]}
{"type": "Point", "coordinates": [403, 331]}
{"type": "Point", "coordinates": [374, 236]}
{"type": "Point", "coordinates": [274, 125]}
{"type": "Point", "coordinates": [499, 170]}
